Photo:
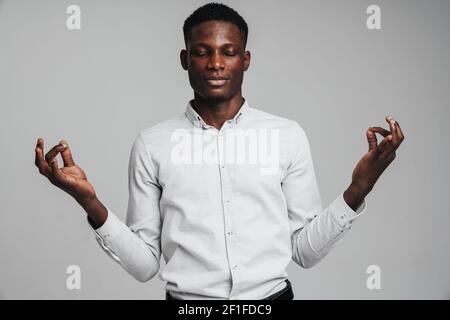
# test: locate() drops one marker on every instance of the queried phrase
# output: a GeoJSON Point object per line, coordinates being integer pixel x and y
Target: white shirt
{"type": "Point", "coordinates": [228, 219]}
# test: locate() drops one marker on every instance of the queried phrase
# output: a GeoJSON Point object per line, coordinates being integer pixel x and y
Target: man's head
{"type": "Point", "coordinates": [218, 12]}
{"type": "Point", "coordinates": [215, 57]}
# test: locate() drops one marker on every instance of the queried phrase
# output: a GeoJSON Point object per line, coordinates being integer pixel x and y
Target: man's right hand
{"type": "Point", "coordinates": [70, 178]}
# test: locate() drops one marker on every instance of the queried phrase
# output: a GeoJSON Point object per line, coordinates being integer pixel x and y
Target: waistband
{"type": "Point", "coordinates": [284, 294]}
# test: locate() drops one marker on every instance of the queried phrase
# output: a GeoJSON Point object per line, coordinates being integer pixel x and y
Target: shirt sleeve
{"type": "Point", "coordinates": [314, 230]}
{"type": "Point", "coordinates": [135, 245]}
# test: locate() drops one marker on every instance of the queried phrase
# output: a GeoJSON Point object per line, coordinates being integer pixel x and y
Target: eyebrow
{"type": "Point", "coordinates": [204, 44]}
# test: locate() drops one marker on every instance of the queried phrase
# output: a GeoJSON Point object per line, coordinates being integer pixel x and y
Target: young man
{"type": "Point", "coordinates": [227, 193]}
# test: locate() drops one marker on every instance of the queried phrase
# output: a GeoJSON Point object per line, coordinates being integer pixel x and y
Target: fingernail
{"type": "Point", "coordinates": [64, 145]}
{"type": "Point", "coordinates": [389, 137]}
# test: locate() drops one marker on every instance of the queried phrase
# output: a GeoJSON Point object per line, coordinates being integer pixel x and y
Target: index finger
{"type": "Point", "coordinates": [380, 130]}
{"type": "Point", "coordinates": [54, 152]}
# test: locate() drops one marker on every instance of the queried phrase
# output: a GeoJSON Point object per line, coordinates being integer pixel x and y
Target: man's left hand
{"type": "Point", "coordinates": [374, 162]}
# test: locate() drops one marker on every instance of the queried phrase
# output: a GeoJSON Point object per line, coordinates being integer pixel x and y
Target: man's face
{"type": "Point", "coordinates": [215, 60]}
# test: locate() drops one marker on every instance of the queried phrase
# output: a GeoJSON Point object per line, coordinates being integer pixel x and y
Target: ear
{"type": "Point", "coordinates": [247, 57]}
{"type": "Point", "coordinates": [183, 59]}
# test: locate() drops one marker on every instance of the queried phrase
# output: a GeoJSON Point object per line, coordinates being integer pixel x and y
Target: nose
{"type": "Point", "coordinates": [216, 61]}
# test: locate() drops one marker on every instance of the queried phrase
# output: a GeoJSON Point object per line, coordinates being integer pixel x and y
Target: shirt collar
{"type": "Point", "coordinates": [192, 115]}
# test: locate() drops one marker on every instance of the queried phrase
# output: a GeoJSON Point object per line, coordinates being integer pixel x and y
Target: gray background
{"type": "Point", "coordinates": [312, 61]}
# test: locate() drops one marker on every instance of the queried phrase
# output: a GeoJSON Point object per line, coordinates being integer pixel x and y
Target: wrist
{"type": "Point", "coordinates": [361, 188]}
{"type": "Point", "coordinates": [354, 195]}
{"type": "Point", "coordinates": [87, 202]}
{"type": "Point", "coordinates": [96, 211]}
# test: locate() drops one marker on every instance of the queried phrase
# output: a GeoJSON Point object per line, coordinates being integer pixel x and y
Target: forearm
{"type": "Point", "coordinates": [323, 232]}
{"type": "Point", "coordinates": [132, 248]}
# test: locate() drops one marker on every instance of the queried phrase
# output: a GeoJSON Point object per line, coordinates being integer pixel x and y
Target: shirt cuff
{"type": "Point", "coordinates": [342, 212]}
{"type": "Point", "coordinates": [110, 228]}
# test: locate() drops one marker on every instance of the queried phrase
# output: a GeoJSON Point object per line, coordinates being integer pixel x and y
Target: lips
{"type": "Point", "coordinates": [216, 81]}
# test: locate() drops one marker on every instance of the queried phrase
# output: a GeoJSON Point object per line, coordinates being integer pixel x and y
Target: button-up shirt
{"type": "Point", "coordinates": [228, 208]}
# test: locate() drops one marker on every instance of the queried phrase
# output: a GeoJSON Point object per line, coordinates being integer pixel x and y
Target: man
{"type": "Point", "coordinates": [227, 212]}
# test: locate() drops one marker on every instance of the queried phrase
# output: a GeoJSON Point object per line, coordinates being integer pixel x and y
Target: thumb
{"type": "Point", "coordinates": [56, 173]}
{"type": "Point", "coordinates": [66, 154]}
{"type": "Point", "coordinates": [371, 139]}
{"type": "Point", "coordinates": [385, 144]}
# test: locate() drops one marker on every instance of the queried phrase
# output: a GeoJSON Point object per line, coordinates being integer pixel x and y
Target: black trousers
{"type": "Point", "coordinates": [284, 294]}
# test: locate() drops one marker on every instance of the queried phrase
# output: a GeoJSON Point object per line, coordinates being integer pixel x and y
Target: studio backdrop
{"type": "Point", "coordinates": [335, 67]}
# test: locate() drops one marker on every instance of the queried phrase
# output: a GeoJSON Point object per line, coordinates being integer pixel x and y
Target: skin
{"type": "Point", "coordinates": [216, 48]}
{"type": "Point", "coordinates": [370, 167]}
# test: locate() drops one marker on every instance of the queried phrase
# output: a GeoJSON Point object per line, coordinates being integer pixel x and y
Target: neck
{"type": "Point", "coordinates": [216, 112]}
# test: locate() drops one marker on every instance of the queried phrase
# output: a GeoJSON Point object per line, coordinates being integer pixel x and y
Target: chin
{"type": "Point", "coordinates": [217, 97]}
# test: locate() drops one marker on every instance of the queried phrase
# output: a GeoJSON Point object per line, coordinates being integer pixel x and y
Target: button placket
{"type": "Point", "coordinates": [226, 201]}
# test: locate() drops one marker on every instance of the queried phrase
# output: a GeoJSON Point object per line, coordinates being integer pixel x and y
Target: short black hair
{"type": "Point", "coordinates": [215, 11]}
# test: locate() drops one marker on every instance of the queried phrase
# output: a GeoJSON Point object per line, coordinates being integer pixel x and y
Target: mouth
{"type": "Point", "coordinates": [216, 82]}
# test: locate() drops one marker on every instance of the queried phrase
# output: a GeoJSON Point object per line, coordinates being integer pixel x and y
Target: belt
{"type": "Point", "coordinates": [284, 294]}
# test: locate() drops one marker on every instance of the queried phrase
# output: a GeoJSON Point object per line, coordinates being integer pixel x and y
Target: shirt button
{"type": "Point", "coordinates": [235, 267]}
{"type": "Point", "coordinates": [229, 233]}
{"type": "Point", "coordinates": [227, 201]}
